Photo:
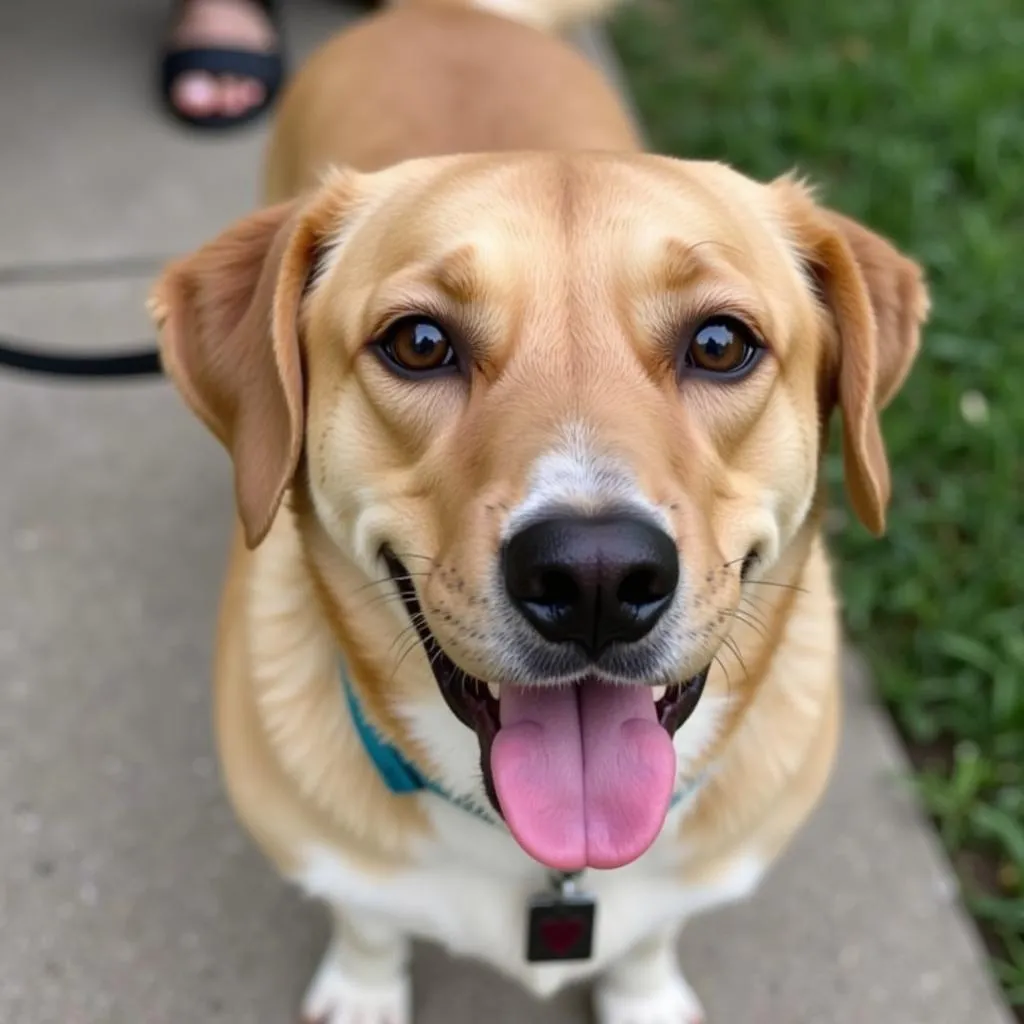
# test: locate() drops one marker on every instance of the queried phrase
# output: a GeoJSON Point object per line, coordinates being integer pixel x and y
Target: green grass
{"type": "Point", "coordinates": [911, 116]}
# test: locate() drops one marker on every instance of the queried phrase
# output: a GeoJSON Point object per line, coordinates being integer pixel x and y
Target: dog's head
{"type": "Point", "coordinates": [567, 408]}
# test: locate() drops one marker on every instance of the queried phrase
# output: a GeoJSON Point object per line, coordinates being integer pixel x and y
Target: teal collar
{"type": "Point", "coordinates": [403, 778]}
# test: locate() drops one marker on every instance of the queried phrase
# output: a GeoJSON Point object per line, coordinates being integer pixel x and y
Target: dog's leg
{"type": "Point", "coordinates": [363, 977]}
{"type": "Point", "coordinates": [647, 987]}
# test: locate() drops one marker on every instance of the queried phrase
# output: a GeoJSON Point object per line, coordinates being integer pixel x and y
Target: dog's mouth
{"type": "Point", "coordinates": [583, 774]}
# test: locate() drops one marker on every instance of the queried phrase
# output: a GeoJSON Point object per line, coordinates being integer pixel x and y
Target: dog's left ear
{"type": "Point", "coordinates": [879, 302]}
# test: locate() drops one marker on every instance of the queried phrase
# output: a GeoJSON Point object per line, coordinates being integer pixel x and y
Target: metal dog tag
{"type": "Point", "coordinates": [560, 925]}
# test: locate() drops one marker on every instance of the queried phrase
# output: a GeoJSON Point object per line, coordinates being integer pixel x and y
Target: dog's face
{"type": "Point", "coordinates": [568, 408]}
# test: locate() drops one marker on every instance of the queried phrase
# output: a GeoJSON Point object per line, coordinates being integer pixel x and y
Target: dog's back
{"type": "Point", "coordinates": [433, 77]}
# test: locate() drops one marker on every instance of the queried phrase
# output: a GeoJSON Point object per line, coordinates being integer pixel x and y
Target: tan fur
{"type": "Point", "coordinates": [479, 185]}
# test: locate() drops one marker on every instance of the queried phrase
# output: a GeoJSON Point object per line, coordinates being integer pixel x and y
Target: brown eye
{"type": "Point", "coordinates": [723, 346]}
{"type": "Point", "coordinates": [417, 347]}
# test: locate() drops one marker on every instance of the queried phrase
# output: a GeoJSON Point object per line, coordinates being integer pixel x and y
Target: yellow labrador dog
{"type": "Point", "coordinates": [528, 643]}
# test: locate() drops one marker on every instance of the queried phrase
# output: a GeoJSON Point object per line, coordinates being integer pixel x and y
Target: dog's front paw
{"type": "Point", "coordinates": [673, 1002]}
{"type": "Point", "coordinates": [335, 998]}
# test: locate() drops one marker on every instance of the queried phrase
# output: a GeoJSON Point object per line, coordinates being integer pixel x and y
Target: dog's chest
{"type": "Point", "coordinates": [471, 889]}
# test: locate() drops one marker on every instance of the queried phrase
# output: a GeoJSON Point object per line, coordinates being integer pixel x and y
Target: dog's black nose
{"type": "Point", "coordinates": [591, 581]}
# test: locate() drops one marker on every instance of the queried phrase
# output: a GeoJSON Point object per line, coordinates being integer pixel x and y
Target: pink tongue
{"type": "Point", "coordinates": [584, 774]}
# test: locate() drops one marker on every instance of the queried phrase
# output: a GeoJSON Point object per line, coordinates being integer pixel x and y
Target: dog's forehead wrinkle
{"type": "Point", "coordinates": [710, 204]}
{"type": "Point", "coordinates": [458, 272]}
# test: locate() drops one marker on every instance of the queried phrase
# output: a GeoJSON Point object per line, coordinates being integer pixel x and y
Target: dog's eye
{"type": "Point", "coordinates": [723, 346]}
{"type": "Point", "coordinates": [417, 347]}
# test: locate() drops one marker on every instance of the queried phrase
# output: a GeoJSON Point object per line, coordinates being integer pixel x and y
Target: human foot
{"type": "Point", "coordinates": [221, 64]}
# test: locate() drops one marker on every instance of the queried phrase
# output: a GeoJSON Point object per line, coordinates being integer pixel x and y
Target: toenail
{"type": "Point", "coordinates": [194, 92]}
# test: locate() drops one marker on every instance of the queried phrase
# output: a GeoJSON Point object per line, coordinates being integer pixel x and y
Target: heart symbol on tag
{"type": "Point", "coordinates": [560, 927]}
{"type": "Point", "coordinates": [560, 934]}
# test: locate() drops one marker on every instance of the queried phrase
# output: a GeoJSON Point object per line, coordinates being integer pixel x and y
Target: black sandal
{"type": "Point", "coordinates": [266, 67]}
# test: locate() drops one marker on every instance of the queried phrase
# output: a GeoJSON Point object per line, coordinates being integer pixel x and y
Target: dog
{"type": "Point", "coordinates": [528, 643]}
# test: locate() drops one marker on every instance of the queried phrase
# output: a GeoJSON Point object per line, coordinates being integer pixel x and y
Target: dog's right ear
{"type": "Point", "coordinates": [228, 317]}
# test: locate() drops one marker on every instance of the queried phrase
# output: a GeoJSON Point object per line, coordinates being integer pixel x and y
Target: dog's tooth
{"type": "Point", "coordinates": [660, 691]}
{"type": "Point", "coordinates": [495, 691]}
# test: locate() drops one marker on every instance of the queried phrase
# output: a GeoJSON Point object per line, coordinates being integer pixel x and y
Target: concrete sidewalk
{"type": "Point", "coordinates": [127, 893]}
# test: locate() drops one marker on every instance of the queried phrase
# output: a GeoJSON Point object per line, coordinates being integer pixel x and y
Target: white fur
{"type": "Point", "coordinates": [545, 15]}
{"type": "Point", "coordinates": [574, 474]}
{"type": "Point", "coordinates": [674, 1002]}
{"type": "Point", "coordinates": [647, 987]}
{"type": "Point", "coordinates": [334, 997]}
{"type": "Point", "coordinates": [468, 889]}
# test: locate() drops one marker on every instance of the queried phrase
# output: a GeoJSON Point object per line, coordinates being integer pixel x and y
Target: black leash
{"type": "Point", "coordinates": [27, 357]}
{"type": "Point", "coordinates": [143, 362]}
